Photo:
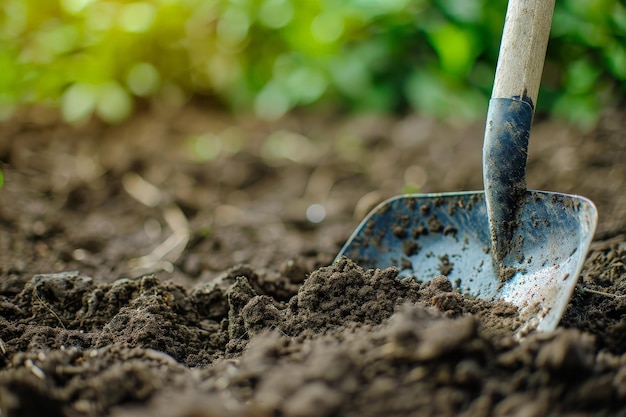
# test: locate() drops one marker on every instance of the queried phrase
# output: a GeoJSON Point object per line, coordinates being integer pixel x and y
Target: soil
{"type": "Point", "coordinates": [168, 267]}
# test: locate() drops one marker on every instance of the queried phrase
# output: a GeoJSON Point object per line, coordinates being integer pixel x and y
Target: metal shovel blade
{"type": "Point", "coordinates": [426, 235]}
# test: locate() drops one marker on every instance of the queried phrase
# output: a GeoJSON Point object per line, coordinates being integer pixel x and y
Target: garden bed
{"type": "Point", "coordinates": [181, 265]}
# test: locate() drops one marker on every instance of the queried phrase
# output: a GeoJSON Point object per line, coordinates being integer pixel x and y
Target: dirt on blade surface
{"type": "Point", "coordinates": [181, 265]}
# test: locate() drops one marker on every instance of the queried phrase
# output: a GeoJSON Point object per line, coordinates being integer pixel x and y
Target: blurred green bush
{"type": "Point", "coordinates": [436, 56]}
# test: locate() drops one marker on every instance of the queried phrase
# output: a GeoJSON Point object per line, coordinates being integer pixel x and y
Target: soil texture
{"type": "Point", "coordinates": [182, 265]}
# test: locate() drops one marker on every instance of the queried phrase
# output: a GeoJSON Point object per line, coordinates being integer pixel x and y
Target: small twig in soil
{"type": "Point", "coordinates": [276, 327]}
{"type": "Point", "coordinates": [169, 250]}
{"type": "Point", "coordinates": [141, 190]}
{"type": "Point", "coordinates": [3, 347]}
{"type": "Point", "coordinates": [596, 292]}
{"type": "Point", "coordinates": [38, 372]}
{"type": "Point", "coordinates": [47, 307]}
{"type": "Point", "coordinates": [618, 240]}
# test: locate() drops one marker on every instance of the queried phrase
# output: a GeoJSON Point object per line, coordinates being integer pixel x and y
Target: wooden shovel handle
{"type": "Point", "coordinates": [523, 49]}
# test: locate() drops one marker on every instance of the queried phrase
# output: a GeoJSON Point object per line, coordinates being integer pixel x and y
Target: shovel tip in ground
{"type": "Point", "coordinates": [427, 235]}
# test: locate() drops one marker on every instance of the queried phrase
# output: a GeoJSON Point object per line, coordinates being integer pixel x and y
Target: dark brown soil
{"type": "Point", "coordinates": [139, 278]}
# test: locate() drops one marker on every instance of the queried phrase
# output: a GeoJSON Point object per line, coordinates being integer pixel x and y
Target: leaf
{"type": "Point", "coordinates": [114, 104]}
{"type": "Point", "coordinates": [78, 103]}
{"type": "Point", "coordinates": [456, 47]}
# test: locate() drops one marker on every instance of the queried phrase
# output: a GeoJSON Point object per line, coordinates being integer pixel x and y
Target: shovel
{"type": "Point", "coordinates": [507, 243]}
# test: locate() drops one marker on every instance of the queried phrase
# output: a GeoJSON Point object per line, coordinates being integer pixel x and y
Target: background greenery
{"type": "Point", "coordinates": [269, 56]}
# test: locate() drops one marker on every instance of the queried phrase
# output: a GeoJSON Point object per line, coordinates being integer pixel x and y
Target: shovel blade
{"type": "Point", "coordinates": [427, 235]}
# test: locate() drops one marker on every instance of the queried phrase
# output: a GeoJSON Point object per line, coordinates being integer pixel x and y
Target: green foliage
{"type": "Point", "coordinates": [437, 56]}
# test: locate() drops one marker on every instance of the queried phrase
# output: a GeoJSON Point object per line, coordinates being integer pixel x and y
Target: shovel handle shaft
{"type": "Point", "coordinates": [523, 49]}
